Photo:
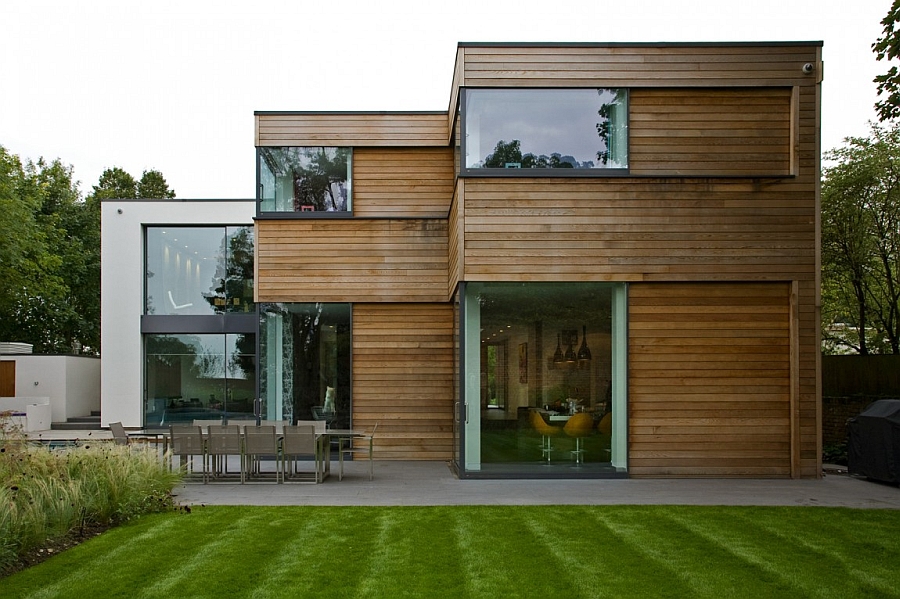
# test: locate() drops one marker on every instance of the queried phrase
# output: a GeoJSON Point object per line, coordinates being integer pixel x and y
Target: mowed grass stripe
{"type": "Point", "coordinates": [783, 562]}
{"type": "Point", "coordinates": [206, 552]}
{"type": "Point", "coordinates": [583, 547]}
{"type": "Point", "coordinates": [690, 564]}
{"type": "Point", "coordinates": [858, 550]}
{"type": "Point", "coordinates": [79, 569]}
{"type": "Point", "coordinates": [409, 543]}
{"type": "Point", "coordinates": [482, 551]}
{"type": "Point", "coordinates": [304, 559]}
{"type": "Point", "coordinates": [503, 557]}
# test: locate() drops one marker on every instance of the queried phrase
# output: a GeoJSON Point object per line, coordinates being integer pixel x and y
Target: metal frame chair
{"type": "Point", "coordinates": [298, 441]}
{"type": "Point", "coordinates": [367, 447]}
{"type": "Point", "coordinates": [224, 440]}
{"type": "Point", "coordinates": [259, 441]}
{"type": "Point", "coordinates": [186, 442]}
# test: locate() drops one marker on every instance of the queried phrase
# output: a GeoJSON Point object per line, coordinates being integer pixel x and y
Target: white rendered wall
{"type": "Point", "coordinates": [72, 383]}
{"type": "Point", "coordinates": [122, 288]}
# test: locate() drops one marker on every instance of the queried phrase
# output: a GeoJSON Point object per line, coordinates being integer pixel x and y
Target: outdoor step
{"type": "Point", "coordinates": [75, 426]}
{"type": "Point", "coordinates": [86, 419]}
{"type": "Point", "coordinates": [78, 423]}
{"type": "Point", "coordinates": [95, 413]}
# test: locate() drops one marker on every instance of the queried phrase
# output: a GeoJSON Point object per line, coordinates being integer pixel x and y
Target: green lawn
{"type": "Point", "coordinates": [482, 551]}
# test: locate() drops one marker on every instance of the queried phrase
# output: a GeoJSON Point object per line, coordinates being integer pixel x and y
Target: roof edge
{"type": "Point", "coordinates": [634, 44]}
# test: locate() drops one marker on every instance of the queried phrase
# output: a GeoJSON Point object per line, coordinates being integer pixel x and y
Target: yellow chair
{"type": "Point", "coordinates": [545, 431]}
{"type": "Point", "coordinates": [605, 425]}
{"type": "Point", "coordinates": [579, 426]}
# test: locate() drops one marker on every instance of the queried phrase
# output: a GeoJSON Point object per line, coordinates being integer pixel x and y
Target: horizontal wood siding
{"type": "Point", "coordinates": [710, 132]}
{"type": "Point", "coordinates": [403, 378]}
{"type": "Point", "coordinates": [407, 182]}
{"type": "Point", "coordinates": [709, 380]}
{"type": "Point", "coordinates": [352, 129]}
{"type": "Point", "coordinates": [665, 65]}
{"type": "Point", "coordinates": [351, 260]}
{"type": "Point", "coordinates": [638, 229]}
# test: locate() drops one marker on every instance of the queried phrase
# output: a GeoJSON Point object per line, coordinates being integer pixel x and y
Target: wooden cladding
{"type": "Point", "coordinates": [709, 380]}
{"type": "Point", "coordinates": [638, 65]}
{"type": "Point", "coordinates": [349, 260]}
{"type": "Point", "coordinates": [351, 129]}
{"type": "Point", "coordinates": [743, 132]}
{"type": "Point", "coordinates": [637, 229]}
{"type": "Point", "coordinates": [403, 378]}
{"type": "Point", "coordinates": [402, 182]}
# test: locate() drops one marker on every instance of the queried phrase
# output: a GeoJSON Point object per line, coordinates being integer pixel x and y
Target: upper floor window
{"type": "Point", "coordinates": [585, 130]}
{"type": "Point", "coordinates": [199, 270]}
{"type": "Point", "coordinates": [304, 179]}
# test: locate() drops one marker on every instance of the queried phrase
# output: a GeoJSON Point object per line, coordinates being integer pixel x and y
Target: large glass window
{"type": "Point", "coordinates": [305, 357]}
{"type": "Point", "coordinates": [199, 377]}
{"type": "Point", "coordinates": [304, 179]}
{"type": "Point", "coordinates": [199, 270]}
{"type": "Point", "coordinates": [544, 379]}
{"type": "Point", "coordinates": [584, 130]}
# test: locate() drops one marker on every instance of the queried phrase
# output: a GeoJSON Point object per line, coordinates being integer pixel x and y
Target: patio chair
{"type": "Point", "coordinates": [224, 440]}
{"type": "Point", "coordinates": [301, 441]}
{"type": "Point", "coordinates": [259, 441]}
{"type": "Point", "coordinates": [187, 442]}
{"type": "Point", "coordinates": [365, 446]}
{"type": "Point", "coordinates": [120, 437]}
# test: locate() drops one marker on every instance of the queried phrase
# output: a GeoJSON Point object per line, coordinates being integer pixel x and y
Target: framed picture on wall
{"type": "Point", "coordinates": [523, 363]}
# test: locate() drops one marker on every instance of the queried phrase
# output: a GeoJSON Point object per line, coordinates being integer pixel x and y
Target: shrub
{"type": "Point", "coordinates": [48, 494]}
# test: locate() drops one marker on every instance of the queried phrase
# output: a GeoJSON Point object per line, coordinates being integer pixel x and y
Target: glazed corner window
{"type": "Point", "coordinates": [199, 271]}
{"type": "Point", "coordinates": [585, 130]}
{"type": "Point", "coordinates": [304, 179]}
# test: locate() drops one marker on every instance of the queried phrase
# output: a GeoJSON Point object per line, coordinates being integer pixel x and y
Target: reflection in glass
{"type": "Point", "coordinates": [304, 179]}
{"type": "Point", "coordinates": [546, 350]}
{"type": "Point", "coordinates": [305, 357]}
{"type": "Point", "coordinates": [198, 377]}
{"type": "Point", "coordinates": [546, 128]}
{"type": "Point", "coordinates": [199, 270]}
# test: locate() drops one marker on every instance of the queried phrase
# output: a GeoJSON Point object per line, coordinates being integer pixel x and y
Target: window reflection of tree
{"type": "Point", "coordinates": [233, 277]}
{"type": "Point", "coordinates": [611, 126]}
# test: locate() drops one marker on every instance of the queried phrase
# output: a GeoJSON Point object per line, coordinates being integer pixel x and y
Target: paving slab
{"type": "Point", "coordinates": [432, 483]}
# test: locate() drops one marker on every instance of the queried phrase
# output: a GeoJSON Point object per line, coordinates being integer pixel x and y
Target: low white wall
{"type": "Point", "coordinates": [72, 383]}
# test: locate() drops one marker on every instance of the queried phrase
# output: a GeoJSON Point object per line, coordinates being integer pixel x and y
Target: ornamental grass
{"type": "Point", "coordinates": [50, 494]}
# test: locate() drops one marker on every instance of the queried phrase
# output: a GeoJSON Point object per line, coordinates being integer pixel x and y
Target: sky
{"type": "Point", "coordinates": [172, 85]}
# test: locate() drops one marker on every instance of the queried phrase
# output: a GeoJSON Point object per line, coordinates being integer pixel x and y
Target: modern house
{"type": "Point", "coordinates": [601, 261]}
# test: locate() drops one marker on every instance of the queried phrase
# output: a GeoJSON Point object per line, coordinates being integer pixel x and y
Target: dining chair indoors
{"type": "Point", "coordinates": [579, 426]}
{"type": "Point", "coordinates": [546, 431]}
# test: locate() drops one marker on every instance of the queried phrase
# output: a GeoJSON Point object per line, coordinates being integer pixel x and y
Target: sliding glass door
{"type": "Point", "coordinates": [543, 374]}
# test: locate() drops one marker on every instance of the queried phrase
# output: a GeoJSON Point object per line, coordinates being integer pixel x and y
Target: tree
{"type": "Point", "coordinates": [115, 184]}
{"type": "Point", "coordinates": [33, 306]}
{"type": "Point", "coordinates": [887, 47]}
{"type": "Point", "coordinates": [153, 186]}
{"type": "Point", "coordinates": [861, 244]}
{"type": "Point", "coordinates": [50, 255]}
